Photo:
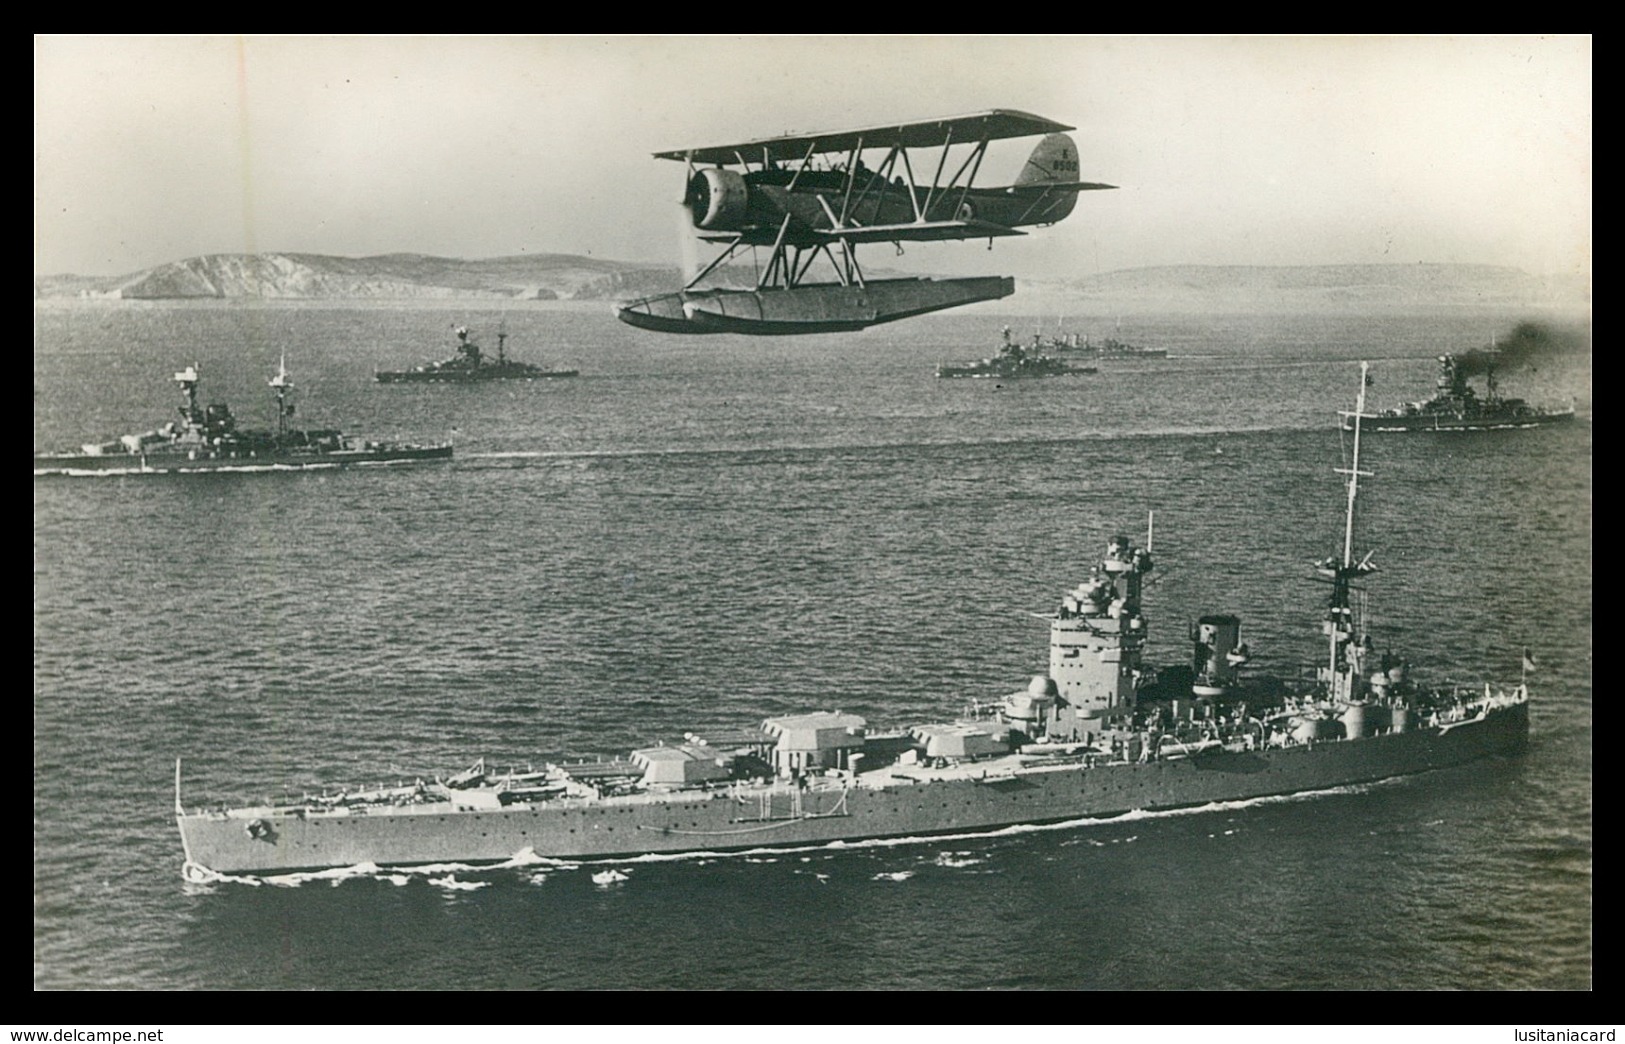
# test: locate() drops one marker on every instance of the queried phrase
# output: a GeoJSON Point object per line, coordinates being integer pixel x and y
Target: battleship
{"type": "Point", "coordinates": [207, 438]}
{"type": "Point", "coordinates": [1102, 733]}
{"type": "Point", "coordinates": [1015, 360]}
{"type": "Point", "coordinates": [470, 365]}
{"type": "Point", "coordinates": [1456, 406]}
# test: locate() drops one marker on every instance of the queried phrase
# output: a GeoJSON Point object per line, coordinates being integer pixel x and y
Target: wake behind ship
{"type": "Point", "coordinates": [1100, 734]}
{"type": "Point", "coordinates": [207, 438]}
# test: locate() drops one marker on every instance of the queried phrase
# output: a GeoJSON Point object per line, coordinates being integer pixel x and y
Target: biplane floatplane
{"type": "Point", "coordinates": [812, 195]}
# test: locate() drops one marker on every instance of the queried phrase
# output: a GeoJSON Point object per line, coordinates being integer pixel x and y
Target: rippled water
{"type": "Point", "coordinates": [708, 531]}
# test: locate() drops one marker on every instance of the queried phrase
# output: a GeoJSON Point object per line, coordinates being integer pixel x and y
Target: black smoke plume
{"type": "Point", "coordinates": [1530, 345]}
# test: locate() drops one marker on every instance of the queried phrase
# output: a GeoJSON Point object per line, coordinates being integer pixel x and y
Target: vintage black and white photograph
{"type": "Point", "coordinates": [931, 512]}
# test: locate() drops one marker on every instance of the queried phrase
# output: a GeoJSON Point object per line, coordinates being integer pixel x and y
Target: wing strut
{"type": "Point", "coordinates": [881, 177]}
{"type": "Point", "coordinates": [777, 260]}
{"type": "Point", "coordinates": [798, 271]}
{"type": "Point", "coordinates": [796, 177]}
{"type": "Point", "coordinates": [913, 187]}
{"type": "Point", "coordinates": [964, 193]}
{"type": "Point", "coordinates": [725, 255]}
{"type": "Point", "coordinates": [942, 161]}
{"type": "Point", "coordinates": [853, 270]}
{"type": "Point", "coordinates": [851, 179]}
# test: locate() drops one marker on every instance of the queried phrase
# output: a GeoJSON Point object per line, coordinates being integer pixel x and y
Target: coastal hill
{"type": "Point", "coordinates": [543, 277]}
{"type": "Point", "coordinates": [548, 277]}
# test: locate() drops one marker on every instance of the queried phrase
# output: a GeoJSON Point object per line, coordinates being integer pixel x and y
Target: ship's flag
{"type": "Point", "coordinates": [1528, 659]}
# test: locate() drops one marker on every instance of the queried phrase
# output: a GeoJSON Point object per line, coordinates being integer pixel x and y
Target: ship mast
{"type": "Point", "coordinates": [1344, 668]}
{"type": "Point", "coordinates": [1353, 471]}
{"type": "Point", "coordinates": [281, 385]}
{"type": "Point", "coordinates": [187, 379]}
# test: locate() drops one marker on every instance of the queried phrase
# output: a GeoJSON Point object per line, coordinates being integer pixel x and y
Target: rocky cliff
{"type": "Point", "coordinates": [527, 277]}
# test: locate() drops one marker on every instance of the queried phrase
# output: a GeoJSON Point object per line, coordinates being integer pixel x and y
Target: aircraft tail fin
{"type": "Point", "coordinates": [1054, 162]}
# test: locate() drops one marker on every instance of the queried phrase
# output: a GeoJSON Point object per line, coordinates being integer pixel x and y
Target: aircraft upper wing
{"type": "Point", "coordinates": [992, 125]}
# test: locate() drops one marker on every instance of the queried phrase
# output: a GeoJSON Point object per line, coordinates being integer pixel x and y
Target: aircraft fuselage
{"type": "Point", "coordinates": [726, 203]}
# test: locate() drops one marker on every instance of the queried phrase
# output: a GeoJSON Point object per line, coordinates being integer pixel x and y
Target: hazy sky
{"type": "Point", "coordinates": [1228, 150]}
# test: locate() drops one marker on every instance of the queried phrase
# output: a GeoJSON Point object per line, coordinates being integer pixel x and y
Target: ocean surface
{"type": "Point", "coordinates": [703, 532]}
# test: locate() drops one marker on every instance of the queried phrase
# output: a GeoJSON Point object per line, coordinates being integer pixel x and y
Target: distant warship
{"type": "Point", "coordinates": [1455, 406]}
{"type": "Point", "coordinates": [206, 438]}
{"type": "Point", "coordinates": [1015, 360]}
{"type": "Point", "coordinates": [1100, 734]}
{"type": "Point", "coordinates": [470, 365]}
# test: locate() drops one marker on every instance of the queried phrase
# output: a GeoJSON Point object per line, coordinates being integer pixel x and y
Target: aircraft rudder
{"type": "Point", "coordinates": [1054, 160]}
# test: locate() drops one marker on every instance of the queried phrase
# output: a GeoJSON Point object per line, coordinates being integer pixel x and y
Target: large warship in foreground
{"type": "Point", "coordinates": [1100, 734]}
{"type": "Point", "coordinates": [1455, 406]}
{"type": "Point", "coordinates": [470, 365]}
{"type": "Point", "coordinates": [1015, 360]}
{"type": "Point", "coordinates": [206, 438]}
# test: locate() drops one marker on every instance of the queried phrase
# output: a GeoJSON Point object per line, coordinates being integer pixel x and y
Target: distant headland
{"type": "Point", "coordinates": [1397, 288]}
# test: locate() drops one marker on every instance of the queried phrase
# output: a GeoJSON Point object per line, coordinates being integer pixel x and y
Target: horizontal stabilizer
{"type": "Point", "coordinates": [1035, 188]}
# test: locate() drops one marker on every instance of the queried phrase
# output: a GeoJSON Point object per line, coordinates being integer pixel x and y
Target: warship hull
{"type": "Point", "coordinates": [479, 376]}
{"type": "Point", "coordinates": [1119, 354]}
{"type": "Point", "coordinates": [975, 371]}
{"type": "Point", "coordinates": [1453, 422]}
{"type": "Point", "coordinates": [998, 792]}
{"type": "Point", "coordinates": [170, 463]}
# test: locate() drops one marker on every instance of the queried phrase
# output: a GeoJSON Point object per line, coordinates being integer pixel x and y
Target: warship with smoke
{"type": "Point", "coordinates": [1457, 406]}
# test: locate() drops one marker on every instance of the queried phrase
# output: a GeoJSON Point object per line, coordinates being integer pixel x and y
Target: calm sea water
{"type": "Point", "coordinates": [705, 532]}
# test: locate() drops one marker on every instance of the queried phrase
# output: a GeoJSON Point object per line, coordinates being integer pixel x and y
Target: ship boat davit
{"type": "Point", "coordinates": [1100, 734]}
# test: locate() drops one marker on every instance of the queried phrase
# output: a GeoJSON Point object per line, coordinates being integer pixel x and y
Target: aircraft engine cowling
{"type": "Point", "coordinates": [717, 198]}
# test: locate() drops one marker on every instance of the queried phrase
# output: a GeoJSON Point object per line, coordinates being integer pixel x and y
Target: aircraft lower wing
{"type": "Point", "coordinates": [913, 231]}
{"type": "Point", "coordinates": [918, 231]}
